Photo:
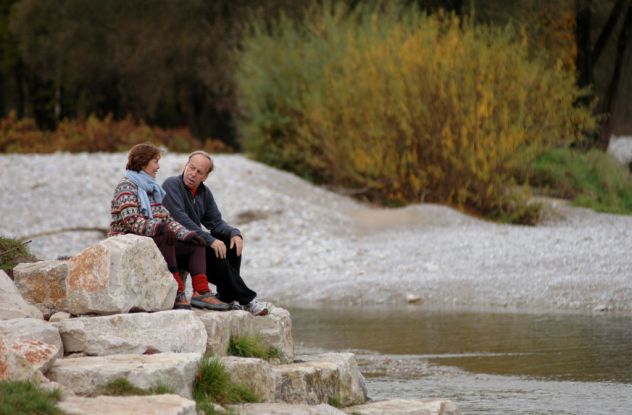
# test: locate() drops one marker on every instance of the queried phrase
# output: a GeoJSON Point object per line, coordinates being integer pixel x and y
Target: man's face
{"type": "Point", "coordinates": [196, 171]}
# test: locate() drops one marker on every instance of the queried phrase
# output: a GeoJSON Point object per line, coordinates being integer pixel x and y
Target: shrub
{"type": "Point", "coordinates": [405, 109]}
{"type": "Point", "coordinates": [591, 179]}
{"type": "Point", "coordinates": [94, 134]}
{"type": "Point", "coordinates": [252, 346]}
{"type": "Point", "coordinates": [22, 397]}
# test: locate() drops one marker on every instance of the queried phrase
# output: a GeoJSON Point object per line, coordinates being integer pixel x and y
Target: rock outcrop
{"type": "Point", "coordinates": [81, 353]}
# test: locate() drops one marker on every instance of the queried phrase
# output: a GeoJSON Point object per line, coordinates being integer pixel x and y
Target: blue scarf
{"type": "Point", "coordinates": [146, 184]}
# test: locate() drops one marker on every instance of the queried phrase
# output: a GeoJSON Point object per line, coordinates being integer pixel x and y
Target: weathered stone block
{"type": "Point", "coordinates": [12, 305]}
{"type": "Point", "coordinates": [253, 373]}
{"type": "Point", "coordinates": [136, 333]}
{"type": "Point", "coordinates": [275, 329]}
{"type": "Point", "coordinates": [43, 283]}
{"type": "Point", "coordinates": [128, 405]}
{"type": "Point", "coordinates": [117, 275]}
{"type": "Point", "coordinates": [87, 375]}
{"type": "Point", "coordinates": [317, 379]}
{"type": "Point", "coordinates": [29, 329]}
{"type": "Point", "coordinates": [406, 407]}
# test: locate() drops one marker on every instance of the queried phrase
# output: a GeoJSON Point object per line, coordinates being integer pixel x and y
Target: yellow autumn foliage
{"type": "Point", "coordinates": [419, 108]}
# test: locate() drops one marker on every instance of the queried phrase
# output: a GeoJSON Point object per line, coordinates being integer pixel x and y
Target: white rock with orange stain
{"type": "Point", "coordinates": [43, 283]}
{"type": "Point", "coordinates": [128, 405]}
{"type": "Point", "coordinates": [119, 274]}
{"type": "Point", "coordinates": [22, 330]}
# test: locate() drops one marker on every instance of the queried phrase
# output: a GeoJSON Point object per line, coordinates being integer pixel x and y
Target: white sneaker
{"type": "Point", "coordinates": [256, 308]}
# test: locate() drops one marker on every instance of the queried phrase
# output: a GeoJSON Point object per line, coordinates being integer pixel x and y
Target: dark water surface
{"type": "Point", "coordinates": [487, 362]}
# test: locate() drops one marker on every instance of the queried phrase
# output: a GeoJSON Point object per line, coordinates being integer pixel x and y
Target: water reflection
{"type": "Point", "coordinates": [554, 347]}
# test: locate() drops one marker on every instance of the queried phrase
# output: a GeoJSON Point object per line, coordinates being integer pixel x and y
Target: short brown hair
{"type": "Point", "coordinates": [140, 155]}
{"type": "Point", "coordinates": [205, 154]}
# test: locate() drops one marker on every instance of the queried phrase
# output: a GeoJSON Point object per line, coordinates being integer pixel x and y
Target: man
{"type": "Point", "coordinates": [191, 203]}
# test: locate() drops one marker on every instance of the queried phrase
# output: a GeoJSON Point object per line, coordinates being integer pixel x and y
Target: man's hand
{"type": "Point", "coordinates": [236, 241]}
{"type": "Point", "coordinates": [220, 248]}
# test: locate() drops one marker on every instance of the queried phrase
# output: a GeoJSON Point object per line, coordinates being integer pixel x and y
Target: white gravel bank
{"type": "Point", "coordinates": [305, 245]}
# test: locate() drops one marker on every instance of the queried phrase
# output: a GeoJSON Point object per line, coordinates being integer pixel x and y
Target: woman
{"type": "Point", "coordinates": [137, 208]}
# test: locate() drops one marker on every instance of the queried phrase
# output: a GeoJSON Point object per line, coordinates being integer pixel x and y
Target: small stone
{"type": "Point", "coordinates": [413, 299]}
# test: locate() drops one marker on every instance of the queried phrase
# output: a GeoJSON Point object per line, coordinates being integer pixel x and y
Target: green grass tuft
{"type": "Point", "coordinates": [591, 179]}
{"type": "Point", "coordinates": [252, 346]}
{"type": "Point", "coordinates": [25, 398]}
{"type": "Point", "coordinates": [13, 252]}
{"type": "Point", "coordinates": [123, 387]}
{"type": "Point", "coordinates": [213, 384]}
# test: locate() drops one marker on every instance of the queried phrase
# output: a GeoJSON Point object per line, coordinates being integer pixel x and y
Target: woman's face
{"type": "Point", "coordinates": [152, 167]}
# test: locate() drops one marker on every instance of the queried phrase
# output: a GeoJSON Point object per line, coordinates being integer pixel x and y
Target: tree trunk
{"type": "Point", "coordinates": [584, 49]}
{"type": "Point", "coordinates": [611, 95]}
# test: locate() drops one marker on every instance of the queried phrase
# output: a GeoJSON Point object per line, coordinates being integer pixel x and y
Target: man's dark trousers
{"type": "Point", "coordinates": [224, 273]}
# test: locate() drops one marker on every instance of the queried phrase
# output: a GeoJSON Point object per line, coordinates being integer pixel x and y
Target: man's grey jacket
{"type": "Point", "coordinates": [194, 211]}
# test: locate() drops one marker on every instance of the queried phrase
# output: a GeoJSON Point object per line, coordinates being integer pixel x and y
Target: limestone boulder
{"type": "Point", "coordinates": [43, 283]}
{"type": "Point", "coordinates": [87, 375]}
{"type": "Point", "coordinates": [136, 333]}
{"type": "Point", "coordinates": [128, 405]}
{"type": "Point", "coordinates": [406, 407]}
{"type": "Point", "coordinates": [320, 378]}
{"type": "Point", "coordinates": [17, 363]}
{"type": "Point", "coordinates": [256, 374]}
{"type": "Point", "coordinates": [275, 330]}
{"type": "Point", "coordinates": [284, 409]}
{"type": "Point", "coordinates": [119, 274]}
{"type": "Point", "coordinates": [25, 330]}
{"type": "Point", "coordinates": [12, 305]}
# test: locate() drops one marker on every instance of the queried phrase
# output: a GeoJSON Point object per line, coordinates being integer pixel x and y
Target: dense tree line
{"type": "Point", "coordinates": [171, 62]}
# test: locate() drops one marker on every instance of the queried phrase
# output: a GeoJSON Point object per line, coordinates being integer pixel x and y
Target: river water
{"type": "Point", "coordinates": [485, 362]}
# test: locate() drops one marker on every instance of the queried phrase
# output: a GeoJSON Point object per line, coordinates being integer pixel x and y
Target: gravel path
{"type": "Point", "coordinates": [307, 246]}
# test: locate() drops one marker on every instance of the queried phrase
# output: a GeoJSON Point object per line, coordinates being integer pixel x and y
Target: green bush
{"type": "Point", "coordinates": [404, 109]}
{"type": "Point", "coordinates": [591, 179]}
{"type": "Point", "coordinates": [24, 398]}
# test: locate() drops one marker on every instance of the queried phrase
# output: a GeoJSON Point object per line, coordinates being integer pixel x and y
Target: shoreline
{"type": "Point", "coordinates": [307, 246]}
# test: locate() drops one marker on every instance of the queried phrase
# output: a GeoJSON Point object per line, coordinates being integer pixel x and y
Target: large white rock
{"type": "Point", "coordinates": [136, 333]}
{"type": "Point", "coordinates": [43, 283]}
{"type": "Point", "coordinates": [275, 330]}
{"type": "Point", "coordinates": [17, 364]}
{"type": "Point", "coordinates": [29, 329]}
{"type": "Point", "coordinates": [254, 373]}
{"type": "Point", "coordinates": [406, 407]}
{"type": "Point", "coordinates": [128, 405]}
{"type": "Point", "coordinates": [87, 375]}
{"type": "Point", "coordinates": [321, 378]}
{"type": "Point", "coordinates": [12, 305]}
{"type": "Point", "coordinates": [284, 409]}
{"type": "Point", "coordinates": [117, 275]}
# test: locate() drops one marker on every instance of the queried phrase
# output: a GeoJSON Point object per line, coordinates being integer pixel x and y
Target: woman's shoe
{"type": "Point", "coordinates": [208, 301]}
